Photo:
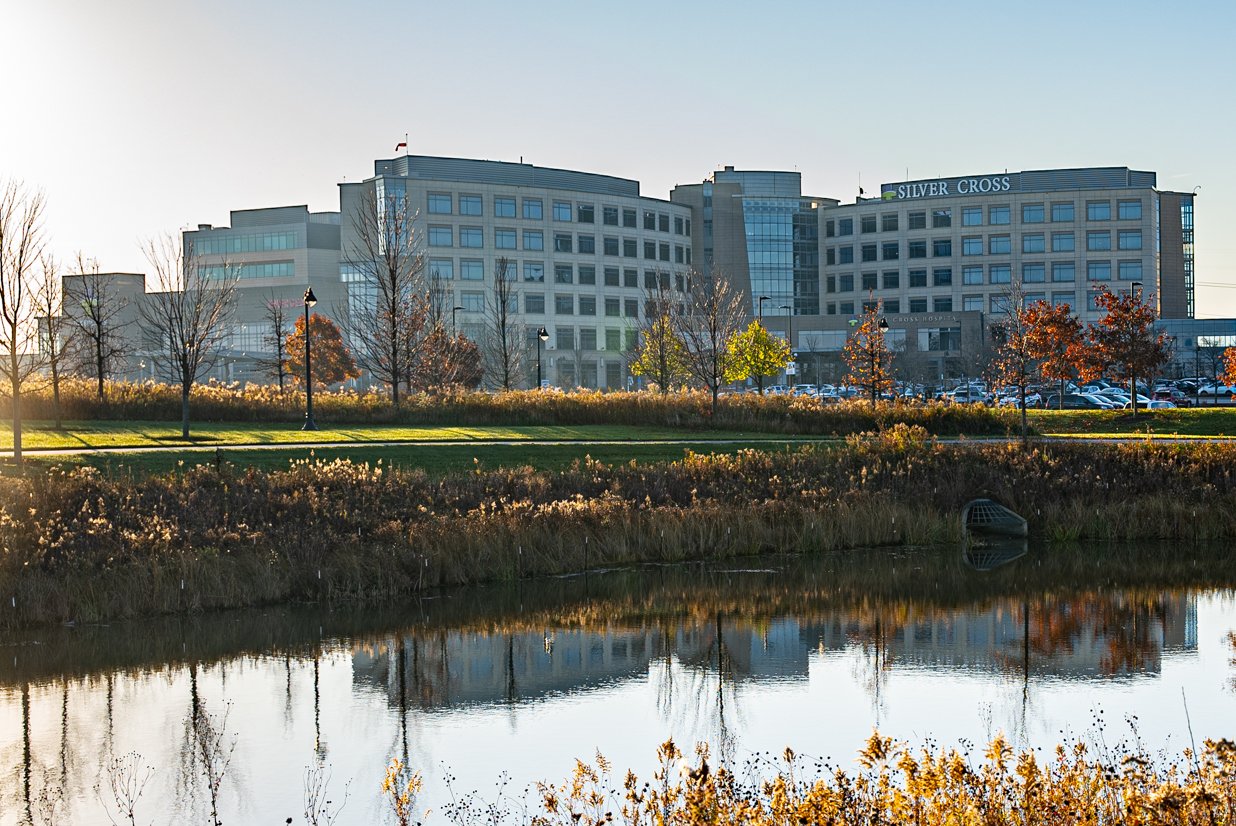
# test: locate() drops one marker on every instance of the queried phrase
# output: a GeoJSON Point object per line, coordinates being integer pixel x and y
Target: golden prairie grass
{"type": "Point", "coordinates": [78, 545]}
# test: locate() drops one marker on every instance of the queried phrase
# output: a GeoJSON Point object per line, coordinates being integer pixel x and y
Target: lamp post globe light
{"type": "Point", "coordinates": [883, 325]}
{"type": "Point", "coordinates": [311, 300]}
{"type": "Point", "coordinates": [761, 301]}
{"type": "Point", "coordinates": [454, 328]}
{"type": "Point", "coordinates": [542, 336]}
{"type": "Point", "coordinates": [789, 339]}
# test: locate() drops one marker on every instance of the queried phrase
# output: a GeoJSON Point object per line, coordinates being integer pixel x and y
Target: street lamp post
{"type": "Point", "coordinates": [542, 336]}
{"type": "Point", "coordinates": [789, 336]}
{"type": "Point", "coordinates": [454, 328]}
{"type": "Point", "coordinates": [310, 301]}
{"type": "Point", "coordinates": [761, 301]}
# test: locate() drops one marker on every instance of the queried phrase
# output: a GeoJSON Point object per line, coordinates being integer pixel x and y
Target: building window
{"type": "Point", "coordinates": [662, 222]}
{"type": "Point", "coordinates": [504, 207]}
{"type": "Point", "coordinates": [972, 245]}
{"type": "Point", "coordinates": [1098, 210]}
{"type": "Point", "coordinates": [1033, 273]}
{"type": "Point", "coordinates": [564, 339]}
{"type": "Point", "coordinates": [585, 213]}
{"type": "Point", "coordinates": [1032, 214]}
{"type": "Point", "coordinates": [534, 271]}
{"type": "Point", "coordinates": [613, 341]}
{"type": "Point", "coordinates": [869, 281]}
{"type": "Point", "coordinates": [564, 274]}
{"type": "Point", "coordinates": [612, 276]}
{"type": "Point", "coordinates": [942, 304]}
{"type": "Point", "coordinates": [472, 301]}
{"type": "Point", "coordinates": [972, 216]}
{"type": "Point", "coordinates": [471, 237]}
{"type": "Point", "coordinates": [470, 205]}
{"type": "Point", "coordinates": [892, 250]}
{"type": "Point", "coordinates": [1032, 243]}
{"type": "Point", "coordinates": [972, 303]}
{"type": "Point", "coordinates": [888, 222]}
{"type": "Point", "coordinates": [892, 305]}
{"type": "Point", "coordinates": [1129, 210]}
{"type": "Point", "coordinates": [562, 242]}
{"type": "Point", "coordinates": [534, 209]}
{"type": "Point", "coordinates": [504, 239]}
{"type": "Point", "coordinates": [587, 335]}
{"type": "Point", "coordinates": [942, 277]}
{"type": "Point", "coordinates": [587, 274]}
{"type": "Point", "coordinates": [442, 268]}
{"type": "Point", "coordinates": [1062, 211]}
{"type": "Point", "coordinates": [941, 218]}
{"type": "Point", "coordinates": [663, 249]}
{"type": "Point", "coordinates": [999, 274]}
{"type": "Point", "coordinates": [1063, 271]}
{"type": "Point", "coordinates": [942, 247]}
{"type": "Point", "coordinates": [679, 225]}
{"type": "Point", "coordinates": [870, 252]}
{"type": "Point", "coordinates": [630, 308]}
{"type": "Point", "coordinates": [609, 216]}
{"type": "Point", "coordinates": [472, 269]}
{"type": "Point", "coordinates": [830, 228]}
{"type": "Point", "coordinates": [630, 277]}
{"type": "Point", "coordinates": [1062, 242]}
{"type": "Point", "coordinates": [998, 215]}
{"type": "Point", "coordinates": [892, 280]}
{"type": "Point", "coordinates": [680, 254]}
{"type": "Point", "coordinates": [971, 275]}
{"type": "Point", "coordinates": [650, 250]}
{"type": "Point", "coordinates": [629, 218]}
{"type": "Point", "coordinates": [918, 305]}
{"type": "Point", "coordinates": [1098, 240]}
{"type": "Point", "coordinates": [847, 307]}
{"type": "Point", "coordinates": [845, 283]}
{"type": "Point", "coordinates": [845, 255]}
{"type": "Point", "coordinates": [610, 245]}
{"type": "Point", "coordinates": [1062, 299]}
{"type": "Point", "coordinates": [830, 256]}
{"type": "Point", "coordinates": [845, 226]}
{"type": "Point", "coordinates": [1129, 239]}
{"type": "Point", "coordinates": [564, 304]}
{"type": "Point", "coordinates": [587, 244]}
{"type": "Point", "coordinates": [867, 223]}
{"type": "Point", "coordinates": [998, 304]}
{"type": "Point", "coordinates": [1099, 271]}
{"type": "Point", "coordinates": [439, 203]}
{"type": "Point", "coordinates": [441, 237]}
{"type": "Point", "coordinates": [1130, 271]}
{"type": "Point", "coordinates": [534, 239]}
{"type": "Point", "coordinates": [918, 278]}
{"type": "Point", "coordinates": [917, 249]}
{"type": "Point", "coordinates": [999, 244]}
{"type": "Point", "coordinates": [917, 220]}
{"type": "Point", "coordinates": [830, 285]}
{"type": "Point", "coordinates": [613, 307]}
{"type": "Point", "coordinates": [562, 211]}
{"type": "Point", "coordinates": [630, 249]}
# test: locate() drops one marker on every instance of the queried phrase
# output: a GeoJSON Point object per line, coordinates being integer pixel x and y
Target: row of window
{"type": "Point", "coordinates": [944, 303]}
{"type": "Point", "coordinates": [533, 272]}
{"type": "Point", "coordinates": [1036, 272]}
{"type": "Point", "coordinates": [256, 242]}
{"type": "Point", "coordinates": [534, 240]}
{"type": "Point", "coordinates": [1031, 243]}
{"type": "Point", "coordinates": [533, 209]}
{"type": "Point", "coordinates": [999, 215]}
{"type": "Point", "coordinates": [268, 269]}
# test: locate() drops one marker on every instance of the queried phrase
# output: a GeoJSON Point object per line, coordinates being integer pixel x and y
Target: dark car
{"type": "Point", "coordinates": [1072, 401]}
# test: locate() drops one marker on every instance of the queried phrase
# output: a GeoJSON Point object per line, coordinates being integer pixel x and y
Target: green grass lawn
{"type": "Point", "coordinates": [436, 460]}
{"type": "Point", "coordinates": [1182, 421]}
{"type": "Point", "coordinates": [99, 434]}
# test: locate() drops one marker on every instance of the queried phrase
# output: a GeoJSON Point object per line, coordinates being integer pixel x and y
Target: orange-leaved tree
{"type": "Point", "coordinates": [1016, 363]}
{"type": "Point", "coordinates": [1124, 340]}
{"type": "Point", "coordinates": [443, 360]}
{"type": "Point", "coordinates": [331, 362]}
{"type": "Point", "coordinates": [1057, 339]}
{"type": "Point", "coordinates": [867, 356]}
{"type": "Point", "coordinates": [1229, 367]}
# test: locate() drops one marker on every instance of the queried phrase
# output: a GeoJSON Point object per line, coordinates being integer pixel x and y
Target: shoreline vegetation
{"type": "Point", "coordinates": [79, 546]}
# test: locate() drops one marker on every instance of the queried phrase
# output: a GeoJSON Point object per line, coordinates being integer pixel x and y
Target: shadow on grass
{"type": "Point", "coordinates": [177, 438]}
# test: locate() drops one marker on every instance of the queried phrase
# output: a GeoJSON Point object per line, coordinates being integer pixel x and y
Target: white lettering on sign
{"type": "Point", "coordinates": [963, 186]}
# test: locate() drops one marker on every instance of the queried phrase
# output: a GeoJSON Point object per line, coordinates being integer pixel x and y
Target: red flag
{"type": "Point", "coordinates": [401, 145]}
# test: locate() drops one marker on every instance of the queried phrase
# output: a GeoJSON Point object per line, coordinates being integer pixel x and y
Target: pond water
{"type": "Point", "coordinates": [476, 685]}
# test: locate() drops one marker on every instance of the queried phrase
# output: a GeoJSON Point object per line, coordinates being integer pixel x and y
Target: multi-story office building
{"type": "Point", "coordinates": [584, 248]}
{"type": "Point", "coordinates": [275, 254]}
{"type": "Point", "coordinates": [954, 244]}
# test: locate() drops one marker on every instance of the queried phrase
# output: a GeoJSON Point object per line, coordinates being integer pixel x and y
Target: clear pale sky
{"type": "Point", "coordinates": [143, 116]}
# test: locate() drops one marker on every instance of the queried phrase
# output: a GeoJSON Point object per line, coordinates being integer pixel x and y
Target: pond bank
{"type": "Point", "coordinates": [80, 547]}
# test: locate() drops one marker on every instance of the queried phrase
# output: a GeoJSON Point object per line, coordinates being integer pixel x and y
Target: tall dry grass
{"type": "Point", "coordinates": [77, 545]}
{"type": "Point", "coordinates": [212, 402]}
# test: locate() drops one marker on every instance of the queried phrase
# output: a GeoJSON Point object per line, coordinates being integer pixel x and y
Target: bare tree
{"type": "Point", "coordinates": [715, 311]}
{"type": "Point", "coordinates": [55, 341]}
{"type": "Point", "coordinates": [186, 317]}
{"type": "Point", "coordinates": [505, 347]}
{"type": "Point", "coordinates": [21, 247]}
{"type": "Point", "coordinates": [660, 355]}
{"type": "Point", "coordinates": [274, 360]}
{"type": "Point", "coordinates": [385, 315]}
{"type": "Point", "coordinates": [98, 311]}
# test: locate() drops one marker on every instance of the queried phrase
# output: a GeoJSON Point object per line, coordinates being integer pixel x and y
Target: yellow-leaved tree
{"type": "Point", "coordinates": [661, 357]}
{"type": "Point", "coordinates": [756, 353]}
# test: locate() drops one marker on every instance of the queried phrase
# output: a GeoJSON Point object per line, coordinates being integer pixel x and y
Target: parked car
{"type": "Point", "coordinates": [1077, 401]}
{"type": "Point", "coordinates": [1177, 397]}
{"type": "Point", "coordinates": [1216, 389]}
